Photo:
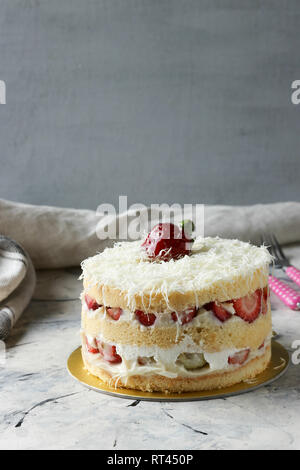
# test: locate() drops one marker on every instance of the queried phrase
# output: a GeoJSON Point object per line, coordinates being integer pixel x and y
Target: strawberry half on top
{"type": "Point", "coordinates": [167, 241]}
{"type": "Point", "coordinates": [248, 308]}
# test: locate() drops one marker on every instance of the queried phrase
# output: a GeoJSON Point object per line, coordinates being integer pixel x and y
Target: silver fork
{"type": "Point", "coordinates": [281, 260]}
{"type": "Point", "coordinates": [287, 294]}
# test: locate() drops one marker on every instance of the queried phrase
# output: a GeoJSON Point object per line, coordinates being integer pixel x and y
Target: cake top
{"type": "Point", "coordinates": [127, 268]}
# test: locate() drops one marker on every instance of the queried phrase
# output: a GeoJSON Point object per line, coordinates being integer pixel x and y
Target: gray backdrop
{"type": "Point", "coordinates": [164, 101]}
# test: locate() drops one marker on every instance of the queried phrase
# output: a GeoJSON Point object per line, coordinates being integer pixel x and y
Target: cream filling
{"type": "Point", "coordinates": [165, 359]}
{"type": "Point", "coordinates": [162, 319]}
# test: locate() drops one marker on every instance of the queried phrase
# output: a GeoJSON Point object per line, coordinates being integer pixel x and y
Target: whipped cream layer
{"type": "Point", "coordinates": [165, 361]}
{"type": "Point", "coordinates": [163, 319]}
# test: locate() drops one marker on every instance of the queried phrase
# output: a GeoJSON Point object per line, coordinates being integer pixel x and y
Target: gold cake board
{"type": "Point", "coordinates": [276, 368]}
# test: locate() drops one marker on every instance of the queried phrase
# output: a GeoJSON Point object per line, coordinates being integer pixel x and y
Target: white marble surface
{"type": "Point", "coordinates": [41, 406]}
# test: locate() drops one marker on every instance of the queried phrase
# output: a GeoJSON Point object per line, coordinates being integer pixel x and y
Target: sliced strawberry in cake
{"type": "Point", "coordinates": [146, 319]}
{"type": "Point", "coordinates": [208, 306]}
{"type": "Point", "coordinates": [264, 301]}
{"type": "Point", "coordinates": [248, 307]}
{"type": "Point", "coordinates": [220, 312]}
{"type": "Point", "coordinates": [109, 352]}
{"type": "Point", "coordinates": [91, 303]}
{"type": "Point", "coordinates": [239, 358]}
{"type": "Point", "coordinates": [91, 346]}
{"type": "Point", "coordinates": [185, 317]}
{"type": "Point", "coordinates": [114, 313]}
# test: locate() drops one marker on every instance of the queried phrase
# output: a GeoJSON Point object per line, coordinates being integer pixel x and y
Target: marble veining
{"type": "Point", "coordinates": [42, 407]}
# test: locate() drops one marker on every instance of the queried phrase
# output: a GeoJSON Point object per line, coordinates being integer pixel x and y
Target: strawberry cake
{"type": "Point", "coordinates": [171, 314]}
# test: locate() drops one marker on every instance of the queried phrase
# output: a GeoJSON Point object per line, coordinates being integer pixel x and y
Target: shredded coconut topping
{"type": "Point", "coordinates": [127, 268]}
